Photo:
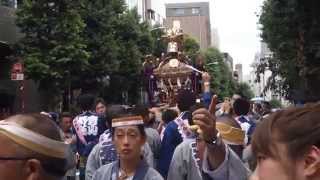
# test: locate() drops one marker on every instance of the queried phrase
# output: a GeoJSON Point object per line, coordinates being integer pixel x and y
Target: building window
{"type": "Point", "coordinates": [179, 11]}
{"type": "Point", "coordinates": [195, 10]}
{"type": "Point", "coordinates": [9, 3]}
{"type": "Point", "coordinates": [151, 14]}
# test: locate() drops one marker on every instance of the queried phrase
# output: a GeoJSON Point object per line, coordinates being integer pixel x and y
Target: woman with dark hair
{"type": "Point", "coordinates": [128, 136]}
{"type": "Point", "coordinates": [241, 108]}
{"type": "Point", "coordinates": [167, 116]}
{"type": "Point", "coordinates": [287, 145]}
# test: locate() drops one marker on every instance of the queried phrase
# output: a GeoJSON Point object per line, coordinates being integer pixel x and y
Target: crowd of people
{"type": "Point", "coordinates": [197, 139]}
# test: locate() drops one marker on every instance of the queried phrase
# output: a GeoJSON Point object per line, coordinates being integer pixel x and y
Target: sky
{"type": "Point", "coordinates": [236, 22]}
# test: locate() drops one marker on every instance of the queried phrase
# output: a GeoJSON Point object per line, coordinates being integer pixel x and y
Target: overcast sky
{"type": "Point", "coordinates": [237, 27]}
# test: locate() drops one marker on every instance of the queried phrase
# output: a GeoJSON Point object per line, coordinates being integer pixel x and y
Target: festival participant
{"type": "Point", "coordinates": [241, 108]}
{"type": "Point", "coordinates": [226, 108]}
{"type": "Point", "coordinates": [65, 124]}
{"type": "Point", "coordinates": [100, 107]}
{"type": "Point", "coordinates": [167, 116]}
{"type": "Point", "coordinates": [105, 151]}
{"type": "Point", "coordinates": [266, 109]}
{"type": "Point", "coordinates": [128, 136]}
{"type": "Point", "coordinates": [256, 113]}
{"type": "Point", "coordinates": [69, 138]}
{"type": "Point", "coordinates": [155, 116]}
{"type": "Point", "coordinates": [175, 131]}
{"type": "Point", "coordinates": [206, 91]}
{"type": "Point", "coordinates": [32, 149]}
{"type": "Point", "coordinates": [235, 97]}
{"type": "Point", "coordinates": [287, 145]}
{"type": "Point", "coordinates": [88, 127]}
{"type": "Point", "coordinates": [153, 137]}
{"type": "Point", "coordinates": [211, 155]}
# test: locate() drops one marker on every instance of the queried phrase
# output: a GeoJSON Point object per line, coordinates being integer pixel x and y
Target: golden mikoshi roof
{"type": "Point", "coordinates": [172, 68]}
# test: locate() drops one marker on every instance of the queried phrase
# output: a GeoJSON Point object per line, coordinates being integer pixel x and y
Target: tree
{"type": "Point", "coordinates": [159, 46]}
{"type": "Point", "coordinates": [244, 90]}
{"type": "Point", "coordinates": [191, 48]}
{"type": "Point", "coordinates": [101, 19]}
{"type": "Point", "coordinates": [135, 41]}
{"type": "Point", "coordinates": [222, 81]}
{"type": "Point", "coordinates": [292, 31]}
{"type": "Point", "coordinates": [95, 46]}
{"type": "Point", "coordinates": [118, 41]}
{"type": "Point", "coordinates": [52, 47]}
{"type": "Point", "coordinates": [275, 103]}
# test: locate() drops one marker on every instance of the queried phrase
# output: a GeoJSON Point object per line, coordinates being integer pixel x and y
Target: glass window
{"type": "Point", "coordinates": [195, 10]}
{"type": "Point", "coordinates": [151, 14]}
{"type": "Point", "coordinates": [180, 11]}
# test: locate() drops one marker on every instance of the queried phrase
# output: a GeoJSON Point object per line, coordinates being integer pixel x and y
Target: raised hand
{"type": "Point", "coordinates": [206, 121]}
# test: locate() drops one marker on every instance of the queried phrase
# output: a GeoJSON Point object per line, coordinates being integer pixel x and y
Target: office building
{"type": "Point", "coordinates": [194, 19]}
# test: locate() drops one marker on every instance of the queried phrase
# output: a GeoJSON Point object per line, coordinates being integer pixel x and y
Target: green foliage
{"type": "Point", "coordinates": [292, 31]}
{"type": "Point", "coordinates": [95, 46]}
{"type": "Point", "coordinates": [101, 20]}
{"type": "Point", "coordinates": [135, 41]}
{"type": "Point", "coordinates": [275, 103]}
{"type": "Point", "coordinates": [118, 41]}
{"type": "Point", "coordinates": [191, 47]}
{"type": "Point", "coordinates": [159, 46]}
{"type": "Point", "coordinates": [222, 81]}
{"type": "Point", "coordinates": [244, 90]}
{"type": "Point", "coordinates": [52, 47]}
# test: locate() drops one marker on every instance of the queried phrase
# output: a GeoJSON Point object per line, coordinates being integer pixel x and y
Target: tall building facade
{"type": "Point", "coordinates": [151, 11]}
{"type": "Point", "coordinates": [194, 20]}
{"type": "Point", "coordinates": [238, 69]}
{"type": "Point", "coordinates": [228, 60]}
{"type": "Point", "coordinates": [215, 39]}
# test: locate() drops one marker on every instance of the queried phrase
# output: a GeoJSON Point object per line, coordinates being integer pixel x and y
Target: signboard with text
{"type": "Point", "coordinates": [17, 76]}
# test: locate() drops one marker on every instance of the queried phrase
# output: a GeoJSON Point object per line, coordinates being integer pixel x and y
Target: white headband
{"type": "Point", "coordinates": [34, 141]}
{"type": "Point", "coordinates": [127, 121]}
